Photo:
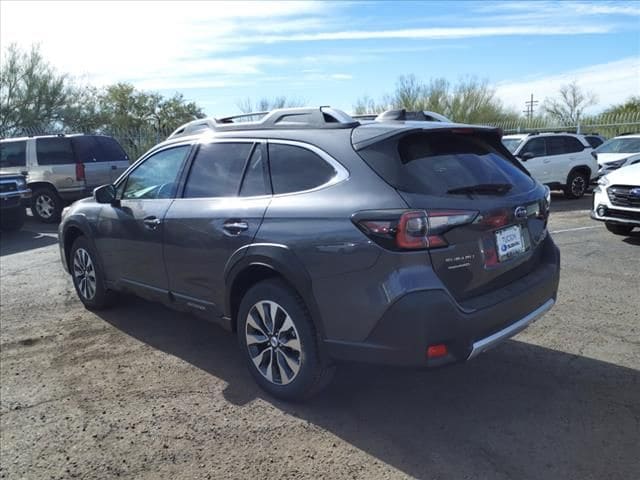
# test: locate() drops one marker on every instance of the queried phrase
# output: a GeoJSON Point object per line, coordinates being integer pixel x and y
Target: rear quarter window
{"type": "Point", "coordinates": [296, 169]}
{"type": "Point", "coordinates": [434, 162]}
{"type": "Point", "coordinates": [13, 154]}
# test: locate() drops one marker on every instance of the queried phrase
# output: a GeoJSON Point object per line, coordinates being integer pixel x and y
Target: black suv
{"type": "Point", "coordinates": [319, 239]}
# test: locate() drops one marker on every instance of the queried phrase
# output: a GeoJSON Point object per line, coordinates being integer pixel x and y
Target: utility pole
{"type": "Point", "coordinates": [530, 106]}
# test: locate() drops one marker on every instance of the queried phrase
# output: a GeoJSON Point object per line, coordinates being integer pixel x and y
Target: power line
{"type": "Point", "coordinates": [530, 106]}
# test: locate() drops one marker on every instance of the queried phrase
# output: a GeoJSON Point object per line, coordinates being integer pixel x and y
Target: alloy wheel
{"type": "Point", "coordinates": [578, 186]}
{"type": "Point", "coordinates": [84, 273]}
{"type": "Point", "coordinates": [45, 206]}
{"type": "Point", "coordinates": [273, 342]}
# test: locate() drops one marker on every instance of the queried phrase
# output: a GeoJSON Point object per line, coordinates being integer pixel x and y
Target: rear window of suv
{"type": "Point", "coordinates": [433, 163]}
{"type": "Point", "coordinates": [13, 154]}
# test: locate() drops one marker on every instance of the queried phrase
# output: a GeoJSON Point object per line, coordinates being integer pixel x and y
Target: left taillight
{"type": "Point", "coordinates": [411, 229]}
{"type": "Point", "coordinates": [80, 171]}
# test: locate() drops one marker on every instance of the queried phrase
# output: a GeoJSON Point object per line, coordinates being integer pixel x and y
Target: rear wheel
{"type": "Point", "coordinates": [87, 276]}
{"type": "Point", "coordinates": [12, 219]}
{"type": "Point", "coordinates": [280, 343]}
{"type": "Point", "coordinates": [46, 205]}
{"type": "Point", "coordinates": [619, 229]}
{"type": "Point", "coordinates": [577, 184]}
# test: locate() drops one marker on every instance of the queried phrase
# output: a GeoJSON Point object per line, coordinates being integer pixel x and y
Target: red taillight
{"type": "Point", "coordinates": [79, 171]}
{"type": "Point", "coordinates": [413, 229]}
{"type": "Point", "coordinates": [436, 351]}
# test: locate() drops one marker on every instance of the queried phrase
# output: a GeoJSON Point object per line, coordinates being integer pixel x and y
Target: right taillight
{"type": "Point", "coordinates": [79, 171]}
{"type": "Point", "coordinates": [411, 229]}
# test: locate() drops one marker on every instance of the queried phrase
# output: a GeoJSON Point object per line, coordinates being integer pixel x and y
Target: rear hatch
{"type": "Point", "coordinates": [487, 217]}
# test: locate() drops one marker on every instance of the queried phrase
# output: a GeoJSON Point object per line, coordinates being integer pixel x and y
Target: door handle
{"type": "Point", "coordinates": [152, 222]}
{"type": "Point", "coordinates": [234, 227]}
{"type": "Point", "coordinates": [114, 167]}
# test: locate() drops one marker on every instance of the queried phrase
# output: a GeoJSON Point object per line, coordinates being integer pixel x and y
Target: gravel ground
{"type": "Point", "coordinates": [142, 392]}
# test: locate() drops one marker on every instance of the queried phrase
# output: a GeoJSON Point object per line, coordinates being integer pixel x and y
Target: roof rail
{"type": "Point", "coordinates": [401, 115]}
{"type": "Point", "coordinates": [282, 118]}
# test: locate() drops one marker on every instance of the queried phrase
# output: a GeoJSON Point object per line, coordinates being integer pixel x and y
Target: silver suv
{"type": "Point", "coordinates": [62, 168]}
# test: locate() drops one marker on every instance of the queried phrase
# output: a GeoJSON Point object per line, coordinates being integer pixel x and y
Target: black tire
{"type": "Point", "coordinates": [46, 205]}
{"type": "Point", "coordinates": [577, 184]}
{"type": "Point", "coordinates": [12, 219]}
{"type": "Point", "coordinates": [101, 297]}
{"type": "Point", "coordinates": [313, 371]}
{"type": "Point", "coordinates": [618, 229]}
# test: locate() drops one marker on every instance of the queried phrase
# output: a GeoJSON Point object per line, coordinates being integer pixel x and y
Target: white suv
{"type": "Point", "coordinates": [616, 200]}
{"type": "Point", "coordinates": [559, 160]}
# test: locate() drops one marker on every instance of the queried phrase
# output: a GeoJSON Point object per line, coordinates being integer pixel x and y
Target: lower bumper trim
{"type": "Point", "coordinates": [508, 332]}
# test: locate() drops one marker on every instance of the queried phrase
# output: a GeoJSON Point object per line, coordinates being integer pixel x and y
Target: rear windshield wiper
{"type": "Point", "coordinates": [483, 188]}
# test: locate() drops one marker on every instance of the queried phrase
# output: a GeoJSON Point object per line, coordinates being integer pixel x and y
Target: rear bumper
{"type": "Point", "coordinates": [430, 317]}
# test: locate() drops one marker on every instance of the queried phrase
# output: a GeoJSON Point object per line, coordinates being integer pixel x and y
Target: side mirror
{"type": "Point", "coordinates": [526, 156]}
{"type": "Point", "coordinates": [105, 194]}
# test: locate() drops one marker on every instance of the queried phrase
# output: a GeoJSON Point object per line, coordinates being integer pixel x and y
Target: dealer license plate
{"type": "Point", "coordinates": [509, 242]}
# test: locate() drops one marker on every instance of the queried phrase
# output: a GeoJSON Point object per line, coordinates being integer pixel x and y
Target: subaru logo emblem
{"type": "Point", "coordinates": [634, 192]}
{"type": "Point", "coordinates": [520, 212]}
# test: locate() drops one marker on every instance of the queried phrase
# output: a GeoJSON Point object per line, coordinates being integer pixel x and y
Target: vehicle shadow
{"type": "Point", "coordinates": [559, 203]}
{"type": "Point", "coordinates": [633, 238]}
{"type": "Point", "coordinates": [32, 235]}
{"type": "Point", "coordinates": [521, 411]}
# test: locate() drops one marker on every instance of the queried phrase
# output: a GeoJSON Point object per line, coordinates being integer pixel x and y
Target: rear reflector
{"type": "Point", "coordinates": [436, 351]}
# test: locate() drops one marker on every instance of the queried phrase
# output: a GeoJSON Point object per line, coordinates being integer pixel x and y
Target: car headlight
{"type": "Point", "coordinates": [21, 183]}
{"type": "Point", "coordinates": [547, 195]}
{"type": "Point", "coordinates": [603, 182]}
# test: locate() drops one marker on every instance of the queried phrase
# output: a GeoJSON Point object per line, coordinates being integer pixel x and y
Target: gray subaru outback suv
{"type": "Point", "coordinates": [318, 239]}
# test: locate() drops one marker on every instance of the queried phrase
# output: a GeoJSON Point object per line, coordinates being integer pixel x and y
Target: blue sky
{"type": "Point", "coordinates": [331, 53]}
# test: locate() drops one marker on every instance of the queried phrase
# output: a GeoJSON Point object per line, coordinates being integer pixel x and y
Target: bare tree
{"type": "Point", "coordinates": [264, 104]}
{"type": "Point", "coordinates": [569, 107]}
{"type": "Point", "coordinates": [366, 104]}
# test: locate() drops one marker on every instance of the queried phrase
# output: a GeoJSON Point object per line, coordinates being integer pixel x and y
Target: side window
{"type": "Point", "coordinates": [594, 141]}
{"type": "Point", "coordinates": [109, 150]}
{"type": "Point", "coordinates": [157, 176]}
{"type": "Point", "coordinates": [294, 169]}
{"type": "Point", "coordinates": [572, 144]}
{"type": "Point", "coordinates": [13, 154]}
{"type": "Point", "coordinates": [54, 151]}
{"type": "Point", "coordinates": [85, 149]}
{"type": "Point", "coordinates": [556, 146]}
{"type": "Point", "coordinates": [535, 146]}
{"type": "Point", "coordinates": [255, 181]}
{"type": "Point", "coordinates": [217, 170]}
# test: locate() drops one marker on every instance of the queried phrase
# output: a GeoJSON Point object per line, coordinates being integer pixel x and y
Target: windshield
{"type": "Point", "coordinates": [511, 143]}
{"type": "Point", "coordinates": [620, 145]}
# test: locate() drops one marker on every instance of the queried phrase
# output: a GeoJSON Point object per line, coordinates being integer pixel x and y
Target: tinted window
{"type": "Point", "coordinates": [54, 151]}
{"type": "Point", "coordinates": [157, 176]}
{"type": "Point", "coordinates": [433, 163]}
{"type": "Point", "coordinates": [535, 146]}
{"type": "Point", "coordinates": [217, 170]}
{"type": "Point", "coordinates": [13, 154]}
{"type": "Point", "coordinates": [572, 144]}
{"type": "Point", "coordinates": [556, 146]}
{"type": "Point", "coordinates": [594, 141]}
{"type": "Point", "coordinates": [109, 150]}
{"type": "Point", "coordinates": [255, 181]}
{"type": "Point", "coordinates": [294, 169]}
{"type": "Point", "coordinates": [86, 149]}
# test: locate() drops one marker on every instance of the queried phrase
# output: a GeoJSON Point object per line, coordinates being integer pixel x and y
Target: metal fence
{"type": "Point", "coordinates": [606, 125]}
{"type": "Point", "coordinates": [136, 141]}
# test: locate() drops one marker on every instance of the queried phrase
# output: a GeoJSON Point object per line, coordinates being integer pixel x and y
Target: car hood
{"type": "Point", "coordinates": [625, 176]}
{"type": "Point", "coordinates": [612, 157]}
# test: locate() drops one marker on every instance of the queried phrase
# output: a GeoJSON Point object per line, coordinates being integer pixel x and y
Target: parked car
{"type": "Point", "coordinates": [319, 240]}
{"type": "Point", "coordinates": [594, 139]}
{"type": "Point", "coordinates": [618, 152]}
{"type": "Point", "coordinates": [14, 195]}
{"type": "Point", "coordinates": [616, 200]}
{"type": "Point", "coordinates": [62, 168]}
{"type": "Point", "coordinates": [559, 160]}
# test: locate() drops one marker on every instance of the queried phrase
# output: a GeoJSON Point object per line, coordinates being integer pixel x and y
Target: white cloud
{"type": "Point", "coordinates": [341, 76]}
{"type": "Point", "coordinates": [612, 82]}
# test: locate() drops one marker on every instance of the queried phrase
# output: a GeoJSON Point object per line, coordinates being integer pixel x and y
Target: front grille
{"type": "Point", "coordinates": [623, 214]}
{"type": "Point", "coordinates": [620, 195]}
{"type": "Point", "coordinates": [6, 187]}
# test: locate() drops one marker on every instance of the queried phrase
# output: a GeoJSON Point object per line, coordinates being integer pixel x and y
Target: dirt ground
{"type": "Point", "coordinates": [142, 392]}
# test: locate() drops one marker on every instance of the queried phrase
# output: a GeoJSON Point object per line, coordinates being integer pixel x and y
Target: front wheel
{"type": "Point", "coordinates": [280, 343]}
{"type": "Point", "coordinates": [618, 229]}
{"type": "Point", "coordinates": [87, 276]}
{"type": "Point", "coordinates": [577, 184]}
